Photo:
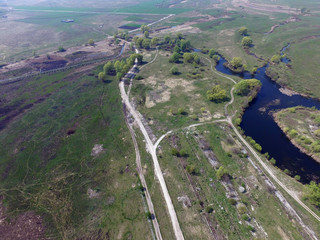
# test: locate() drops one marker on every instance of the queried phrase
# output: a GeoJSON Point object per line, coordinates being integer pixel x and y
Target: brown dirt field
{"type": "Point", "coordinates": [27, 226]}
{"type": "Point", "coordinates": [55, 60]}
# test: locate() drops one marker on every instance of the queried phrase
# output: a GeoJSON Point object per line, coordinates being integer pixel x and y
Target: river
{"type": "Point", "coordinates": [258, 123]}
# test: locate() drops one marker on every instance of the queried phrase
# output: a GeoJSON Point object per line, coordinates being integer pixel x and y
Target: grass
{"type": "Point", "coordinates": [301, 126]}
{"type": "Point", "coordinates": [48, 171]}
{"type": "Point", "coordinates": [152, 7]}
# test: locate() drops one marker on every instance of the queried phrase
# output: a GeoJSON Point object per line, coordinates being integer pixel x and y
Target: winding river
{"type": "Point", "coordinates": [258, 123]}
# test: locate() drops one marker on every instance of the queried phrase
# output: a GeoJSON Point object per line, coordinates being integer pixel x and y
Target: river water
{"type": "Point", "coordinates": [258, 123]}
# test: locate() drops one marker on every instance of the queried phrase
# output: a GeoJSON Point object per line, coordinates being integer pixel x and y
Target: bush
{"type": "Point", "coordinates": [313, 193]}
{"type": "Point", "coordinates": [244, 87]}
{"type": "Point", "coordinates": [245, 217]}
{"type": "Point", "coordinates": [276, 58]}
{"type": "Point", "coordinates": [243, 31]}
{"type": "Point", "coordinates": [194, 117]}
{"type": "Point", "coordinates": [61, 49]}
{"type": "Point", "coordinates": [175, 152]}
{"type": "Point", "coordinates": [307, 141]}
{"type": "Point", "coordinates": [183, 153]}
{"type": "Point", "coordinates": [212, 52]}
{"type": "Point", "coordinates": [251, 228]}
{"type": "Point", "coordinates": [242, 209]}
{"type": "Point", "coordinates": [174, 58]}
{"type": "Point", "coordinates": [181, 111]}
{"type": "Point", "coordinates": [91, 42]}
{"type": "Point", "coordinates": [273, 161]}
{"type": "Point", "coordinates": [209, 209]}
{"type": "Point", "coordinates": [216, 58]}
{"type": "Point", "coordinates": [236, 62]}
{"type": "Point", "coordinates": [292, 133]}
{"type": "Point", "coordinates": [174, 70]}
{"type": "Point", "coordinates": [191, 169]}
{"type": "Point", "coordinates": [258, 147]}
{"type": "Point", "coordinates": [149, 215]}
{"type": "Point", "coordinates": [232, 201]}
{"type": "Point", "coordinates": [317, 132]}
{"type": "Point", "coordinates": [286, 171]}
{"type": "Point", "coordinates": [217, 94]}
{"type": "Point", "coordinates": [221, 172]}
{"type": "Point", "coordinates": [246, 42]}
{"type": "Point", "coordinates": [297, 177]}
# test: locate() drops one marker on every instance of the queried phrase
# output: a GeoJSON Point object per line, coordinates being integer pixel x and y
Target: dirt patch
{"type": "Point", "coordinates": [162, 91]}
{"type": "Point", "coordinates": [97, 150]}
{"type": "Point", "coordinates": [27, 226]}
{"type": "Point", "coordinates": [185, 201]}
{"type": "Point", "coordinates": [93, 193]}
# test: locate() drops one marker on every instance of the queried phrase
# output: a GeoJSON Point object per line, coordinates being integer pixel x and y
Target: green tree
{"type": "Point", "coordinates": [146, 34]}
{"type": "Point", "coordinates": [313, 193]}
{"type": "Point", "coordinates": [191, 169]}
{"type": "Point", "coordinates": [276, 58]}
{"type": "Point", "coordinates": [212, 52]}
{"type": "Point", "coordinates": [174, 58]}
{"type": "Point", "coordinates": [216, 58]}
{"type": "Point", "coordinates": [244, 87]}
{"type": "Point", "coordinates": [183, 45]}
{"type": "Point", "coordinates": [101, 76]}
{"type": "Point", "coordinates": [176, 49]}
{"type": "Point", "coordinates": [246, 42]}
{"type": "Point", "coordinates": [174, 70]}
{"type": "Point", "coordinates": [61, 49]}
{"type": "Point", "coordinates": [179, 35]}
{"type": "Point", "coordinates": [273, 161]}
{"type": "Point", "coordinates": [154, 41]}
{"type": "Point", "coordinates": [167, 39]}
{"type": "Point", "coordinates": [146, 43]}
{"type": "Point", "coordinates": [144, 28]}
{"type": "Point", "coordinates": [236, 62]}
{"type": "Point", "coordinates": [91, 42]}
{"type": "Point", "coordinates": [188, 57]}
{"type": "Point", "coordinates": [221, 172]}
{"type": "Point", "coordinates": [196, 58]}
{"type": "Point", "coordinates": [217, 94]}
{"type": "Point", "coordinates": [109, 68]}
{"type": "Point", "coordinates": [243, 31]}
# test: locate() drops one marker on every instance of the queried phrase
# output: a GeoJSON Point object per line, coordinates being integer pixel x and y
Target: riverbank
{"type": "Point", "coordinates": [300, 126]}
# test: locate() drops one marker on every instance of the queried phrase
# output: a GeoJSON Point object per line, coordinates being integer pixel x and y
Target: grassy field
{"type": "Point", "coordinates": [47, 164]}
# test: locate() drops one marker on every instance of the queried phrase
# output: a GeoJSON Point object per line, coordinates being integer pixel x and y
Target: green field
{"type": "Point", "coordinates": [47, 165]}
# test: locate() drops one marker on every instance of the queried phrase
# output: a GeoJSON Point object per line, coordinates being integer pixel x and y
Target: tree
{"type": "Point", "coordinates": [221, 172]}
{"type": "Point", "coordinates": [91, 42]}
{"type": "Point", "coordinates": [154, 41]}
{"type": "Point", "coordinates": [139, 42]}
{"type": "Point", "coordinates": [188, 57]}
{"type": "Point", "coordinates": [144, 28]}
{"type": "Point", "coordinates": [243, 31]}
{"type": "Point", "coordinates": [313, 193]}
{"type": "Point", "coordinates": [174, 70]}
{"type": "Point", "coordinates": [167, 39]}
{"type": "Point", "coordinates": [191, 169]}
{"type": "Point", "coordinates": [183, 45]}
{"type": "Point", "coordinates": [61, 49]}
{"type": "Point", "coordinates": [101, 76]}
{"type": "Point", "coordinates": [244, 87]}
{"type": "Point", "coordinates": [146, 43]}
{"type": "Point", "coordinates": [273, 161]}
{"type": "Point", "coordinates": [109, 68]}
{"type": "Point", "coordinates": [174, 58]}
{"type": "Point", "coordinates": [196, 58]}
{"type": "Point", "coordinates": [216, 94]}
{"type": "Point", "coordinates": [212, 52]}
{"type": "Point", "coordinates": [146, 34]}
{"type": "Point", "coordinates": [246, 42]}
{"type": "Point", "coordinates": [216, 58]}
{"type": "Point", "coordinates": [179, 35]}
{"type": "Point", "coordinates": [236, 62]}
{"type": "Point", "coordinates": [176, 49]}
{"type": "Point", "coordinates": [276, 58]}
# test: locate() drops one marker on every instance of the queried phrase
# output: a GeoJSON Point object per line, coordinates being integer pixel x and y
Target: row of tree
{"type": "Point", "coordinates": [120, 67]}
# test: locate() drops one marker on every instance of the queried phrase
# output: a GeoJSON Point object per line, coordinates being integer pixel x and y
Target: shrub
{"type": "Point", "coordinates": [61, 49]}
{"type": "Point", "coordinates": [313, 193]}
{"type": "Point", "coordinates": [317, 132]}
{"type": "Point", "coordinates": [232, 201]}
{"type": "Point", "coordinates": [276, 58]}
{"type": "Point", "coordinates": [292, 133]}
{"type": "Point", "coordinates": [286, 171]}
{"type": "Point", "coordinates": [174, 70]}
{"type": "Point", "coordinates": [297, 177]}
{"type": "Point", "coordinates": [242, 209]}
{"type": "Point", "coordinates": [174, 152]}
{"type": "Point", "coordinates": [181, 111]}
{"type": "Point", "coordinates": [245, 217]}
{"type": "Point", "coordinates": [244, 87]}
{"type": "Point", "coordinates": [273, 161]}
{"type": "Point", "coordinates": [221, 172]}
{"type": "Point", "coordinates": [216, 58]}
{"type": "Point", "coordinates": [243, 31]}
{"type": "Point", "coordinates": [217, 94]}
{"type": "Point", "coordinates": [194, 117]}
{"type": "Point", "coordinates": [246, 42]}
{"type": "Point", "coordinates": [191, 169]}
{"type": "Point", "coordinates": [258, 147]}
{"type": "Point", "coordinates": [209, 209]}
